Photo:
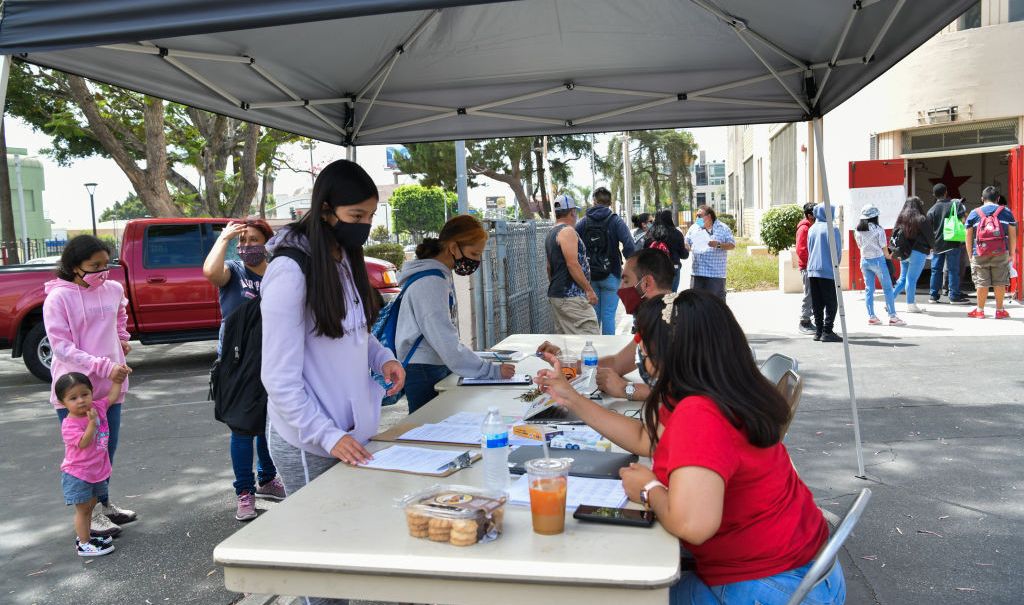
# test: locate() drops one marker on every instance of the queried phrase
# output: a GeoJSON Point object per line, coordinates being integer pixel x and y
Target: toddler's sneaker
{"type": "Point", "coordinates": [977, 314]}
{"type": "Point", "coordinates": [93, 548]}
{"type": "Point", "coordinates": [272, 490]}
{"type": "Point", "coordinates": [896, 321]}
{"type": "Point", "coordinates": [874, 321]}
{"type": "Point", "coordinates": [246, 510]}
{"type": "Point", "coordinates": [117, 514]}
{"type": "Point", "coordinates": [101, 525]}
{"type": "Point", "coordinates": [1002, 314]}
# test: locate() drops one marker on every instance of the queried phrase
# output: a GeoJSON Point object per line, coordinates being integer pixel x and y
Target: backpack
{"type": "Point", "coordinates": [387, 324]}
{"type": "Point", "coordinates": [595, 239]}
{"type": "Point", "coordinates": [989, 239]}
{"type": "Point", "coordinates": [240, 401]}
{"type": "Point", "coordinates": [900, 245]}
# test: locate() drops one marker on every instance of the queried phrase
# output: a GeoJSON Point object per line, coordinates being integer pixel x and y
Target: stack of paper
{"type": "Point", "coordinates": [581, 490]}
{"type": "Point", "coordinates": [466, 434]}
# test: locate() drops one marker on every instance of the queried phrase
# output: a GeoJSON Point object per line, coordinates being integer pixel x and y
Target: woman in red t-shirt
{"type": "Point", "coordinates": [722, 481]}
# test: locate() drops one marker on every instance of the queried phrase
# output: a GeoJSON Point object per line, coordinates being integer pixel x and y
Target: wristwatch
{"type": "Point", "coordinates": [644, 493]}
{"type": "Point", "coordinates": [630, 391]}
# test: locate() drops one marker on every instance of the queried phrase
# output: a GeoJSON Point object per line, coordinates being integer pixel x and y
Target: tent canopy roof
{"type": "Point", "coordinates": [393, 71]}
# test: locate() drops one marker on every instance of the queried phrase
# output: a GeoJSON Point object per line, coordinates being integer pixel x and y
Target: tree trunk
{"type": "Point", "coordinates": [655, 185]}
{"type": "Point", "coordinates": [513, 181]}
{"type": "Point", "coordinates": [245, 166]}
{"type": "Point", "coordinates": [9, 235]}
{"type": "Point", "coordinates": [266, 190]}
{"type": "Point", "coordinates": [150, 184]}
{"type": "Point", "coordinates": [673, 187]}
{"type": "Point", "coordinates": [541, 172]}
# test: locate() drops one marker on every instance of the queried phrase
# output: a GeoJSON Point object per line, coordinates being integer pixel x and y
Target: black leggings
{"type": "Point", "coordinates": [823, 301]}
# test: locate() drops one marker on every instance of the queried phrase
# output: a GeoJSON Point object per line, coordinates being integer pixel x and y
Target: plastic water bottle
{"type": "Point", "coordinates": [589, 355]}
{"type": "Point", "coordinates": [494, 443]}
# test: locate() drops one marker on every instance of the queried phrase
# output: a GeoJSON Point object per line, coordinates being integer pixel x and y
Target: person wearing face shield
{"type": "Point", "coordinates": [646, 274]}
{"type": "Point", "coordinates": [238, 281]}
{"type": "Point", "coordinates": [428, 318]}
{"type": "Point", "coordinates": [86, 320]}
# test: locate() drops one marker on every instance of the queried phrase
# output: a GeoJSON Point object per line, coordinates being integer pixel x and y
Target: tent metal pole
{"type": "Point", "coordinates": [782, 83]}
{"type": "Point", "coordinates": [748, 102]}
{"type": "Point", "coordinates": [835, 55]}
{"type": "Point", "coordinates": [146, 49]}
{"type": "Point", "coordinates": [885, 29]}
{"type": "Point", "coordinates": [230, 98]}
{"type": "Point", "coordinates": [819, 146]}
{"type": "Point", "coordinates": [516, 99]}
{"type": "Point", "coordinates": [738, 24]}
{"type": "Point", "coordinates": [460, 176]}
{"type": "Point", "coordinates": [509, 116]}
{"type": "Point", "coordinates": [269, 77]}
{"type": "Point", "coordinates": [416, 122]}
{"type": "Point", "coordinates": [401, 48]}
{"type": "Point", "coordinates": [624, 110]}
{"type": "Point", "coordinates": [380, 84]}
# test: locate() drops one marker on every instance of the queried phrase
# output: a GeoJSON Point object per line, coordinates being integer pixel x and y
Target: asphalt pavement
{"type": "Point", "coordinates": [941, 419]}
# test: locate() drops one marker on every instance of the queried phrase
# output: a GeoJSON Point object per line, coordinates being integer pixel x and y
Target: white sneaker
{"type": "Point", "coordinates": [116, 514]}
{"type": "Point", "coordinates": [93, 548]}
{"type": "Point", "coordinates": [102, 526]}
{"type": "Point", "coordinates": [913, 308]}
{"type": "Point", "coordinates": [896, 321]}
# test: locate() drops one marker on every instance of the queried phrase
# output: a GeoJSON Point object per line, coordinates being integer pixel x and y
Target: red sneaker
{"type": "Point", "coordinates": [977, 314]}
{"type": "Point", "coordinates": [1002, 314]}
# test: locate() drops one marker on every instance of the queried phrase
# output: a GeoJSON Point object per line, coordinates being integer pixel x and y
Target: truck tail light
{"type": "Point", "coordinates": [390, 279]}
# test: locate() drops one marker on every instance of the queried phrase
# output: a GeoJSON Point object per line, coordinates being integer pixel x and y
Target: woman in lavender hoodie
{"type": "Point", "coordinates": [87, 327]}
{"type": "Point", "coordinates": [323, 405]}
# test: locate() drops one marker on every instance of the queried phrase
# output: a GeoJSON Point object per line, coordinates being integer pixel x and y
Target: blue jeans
{"type": "Point", "coordinates": [607, 290]}
{"type": "Point", "coordinates": [909, 273]}
{"type": "Point", "coordinates": [420, 379]}
{"type": "Point", "coordinates": [113, 423]}
{"type": "Point", "coordinates": [876, 268]}
{"type": "Point", "coordinates": [241, 461]}
{"type": "Point", "coordinates": [773, 590]}
{"type": "Point", "coordinates": [951, 260]}
{"type": "Point", "coordinates": [675, 278]}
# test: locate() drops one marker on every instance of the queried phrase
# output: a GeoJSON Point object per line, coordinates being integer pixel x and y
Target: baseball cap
{"type": "Point", "coordinates": [564, 202]}
{"type": "Point", "coordinates": [868, 211]}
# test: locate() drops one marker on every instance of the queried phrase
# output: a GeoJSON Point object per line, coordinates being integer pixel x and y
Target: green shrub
{"type": "Point", "coordinates": [729, 220]}
{"type": "Point", "coordinates": [390, 252]}
{"type": "Point", "coordinates": [778, 227]}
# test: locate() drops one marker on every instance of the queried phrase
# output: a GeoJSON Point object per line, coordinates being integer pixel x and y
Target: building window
{"type": "Point", "coordinates": [873, 146]}
{"type": "Point", "coordinates": [971, 18]}
{"type": "Point", "coordinates": [961, 136]}
{"type": "Point", "coordinates": [782, 166]}
{"type": "Point", "coordinates": [1016, 10]}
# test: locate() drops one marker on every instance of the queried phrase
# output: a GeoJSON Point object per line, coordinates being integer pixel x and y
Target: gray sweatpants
{"type": "Point", "coordinates": [296, 468]}
{"type": "Point", "coordinates": [806, 311]}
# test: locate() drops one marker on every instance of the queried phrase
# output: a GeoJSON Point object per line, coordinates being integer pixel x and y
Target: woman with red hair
{"type": "Point", "coordinates": [239, 281]}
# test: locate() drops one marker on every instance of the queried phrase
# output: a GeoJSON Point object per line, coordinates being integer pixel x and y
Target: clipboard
{"type": "Point", "coordinates": [522, 380]}
{"type": "Point", "coordinates": [459, 461]}
{"type": "Point", "coordinates": [392, 436]}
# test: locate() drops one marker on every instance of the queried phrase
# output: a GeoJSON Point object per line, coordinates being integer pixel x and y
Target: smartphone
{"type": "Point", "coordinates": [614, 516]}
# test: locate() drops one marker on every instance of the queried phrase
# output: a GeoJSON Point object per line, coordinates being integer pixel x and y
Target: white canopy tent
{"type": "Point", "coordinates": [359, 72]}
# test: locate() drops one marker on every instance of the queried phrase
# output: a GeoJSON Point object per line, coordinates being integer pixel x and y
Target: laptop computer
{"type": "Point", "coordinates": [585, 463]}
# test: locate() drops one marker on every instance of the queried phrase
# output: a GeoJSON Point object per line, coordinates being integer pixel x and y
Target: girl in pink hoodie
{"type": "Point", "coordinates": [87, 326]}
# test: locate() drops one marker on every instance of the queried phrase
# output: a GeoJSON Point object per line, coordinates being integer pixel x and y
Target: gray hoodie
{"type": "Point", "coordinates": [425, 310]}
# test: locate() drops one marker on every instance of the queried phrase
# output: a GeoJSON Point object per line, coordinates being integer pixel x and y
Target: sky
{"type": "Point", "coordinates": [66, 200]}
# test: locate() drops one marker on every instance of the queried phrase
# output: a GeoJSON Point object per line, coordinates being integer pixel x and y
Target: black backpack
{"type": "Point", "coordinates": [900, 245]}
{"type": "Point", "coordinates": [595, 238]}
{"type": "Point", "coordinates": [240, 401]}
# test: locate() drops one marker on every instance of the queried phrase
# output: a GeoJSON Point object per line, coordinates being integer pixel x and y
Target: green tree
{"type": "Point", "coordinates": [778, 227]}
{"type": "Point", "coordinates": [125, 210]}
{"type": "Point", "coordinates": [419, 210]}
{"type": "Point", "coordinates": [380, 233]}
{"type": "Point", "coordinates": [150, 141]}
{"type": "Point", "coordinates": [660, 160]}
{"type": "Point", "coordinates": [514, 161]}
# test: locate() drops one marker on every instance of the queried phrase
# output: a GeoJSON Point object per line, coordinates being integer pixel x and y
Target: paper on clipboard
{"type": "Point", "coordinates": [417, 460]}
{"type": "Point", "coordinates": [517, 380]}
{"type": "Point", "coordinates": [699, 239]}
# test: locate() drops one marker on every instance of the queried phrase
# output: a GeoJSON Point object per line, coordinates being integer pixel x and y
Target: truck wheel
{"type": "Point", "coordinates": [37, 352]}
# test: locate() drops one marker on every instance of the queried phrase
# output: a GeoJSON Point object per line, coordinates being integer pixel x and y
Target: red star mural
{"type": "Point", "coordinates": [951, 182]}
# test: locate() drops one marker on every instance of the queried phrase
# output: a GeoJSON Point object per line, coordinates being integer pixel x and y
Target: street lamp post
{"type": "Point", "coordinates": [91, 188]}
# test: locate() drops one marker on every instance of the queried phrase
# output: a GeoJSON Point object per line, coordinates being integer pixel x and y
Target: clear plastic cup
{"type": "Point", "coordinates": [549, 479]}
{"type": "Point", "coordinates": [570, 365]}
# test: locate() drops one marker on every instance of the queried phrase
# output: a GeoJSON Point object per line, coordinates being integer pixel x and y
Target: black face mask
{"type": "Point", "coordinates": [465, 265]}
{"type": "Point", "coordinates": [351, 235]}
{"type": "Point", "coordinates": [641, 367]}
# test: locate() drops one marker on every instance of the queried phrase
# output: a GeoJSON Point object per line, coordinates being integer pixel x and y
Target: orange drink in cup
{"type": "Point", "coordinates": [570, 366]}
{"type": "Point", "coordinates": [548, 479]}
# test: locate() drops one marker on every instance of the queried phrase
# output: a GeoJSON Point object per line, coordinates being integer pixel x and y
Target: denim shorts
{"type": "Point", "coordinates": [77, 491]}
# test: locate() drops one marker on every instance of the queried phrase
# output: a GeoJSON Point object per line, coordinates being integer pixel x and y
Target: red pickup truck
{"type": "Point", "coordinates": [161, 269]}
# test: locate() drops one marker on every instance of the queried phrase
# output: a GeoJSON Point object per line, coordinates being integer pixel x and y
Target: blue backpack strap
{"type": "Point", "coordinates": [412, 279]}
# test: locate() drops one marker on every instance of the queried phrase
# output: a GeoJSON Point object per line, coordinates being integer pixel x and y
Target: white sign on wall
{"type": "Point", "coordinates": [889, 200]}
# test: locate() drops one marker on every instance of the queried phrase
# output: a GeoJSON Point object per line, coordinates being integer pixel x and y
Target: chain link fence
{"type": "Point", "coordinates": [509, 291]}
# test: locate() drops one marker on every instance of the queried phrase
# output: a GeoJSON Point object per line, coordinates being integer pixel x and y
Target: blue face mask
{"type": "Point", "coordinates": [641, 367]}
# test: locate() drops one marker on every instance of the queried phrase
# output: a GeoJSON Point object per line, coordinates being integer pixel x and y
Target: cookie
{"type": "Point", "coordinates": [465, 525]}
{"type": "Point", "coordinates": [419, 533]}
{"type": "Point", "coordinates": [438, 524]}
{"type": "Point", "coordinates": [462, 541]}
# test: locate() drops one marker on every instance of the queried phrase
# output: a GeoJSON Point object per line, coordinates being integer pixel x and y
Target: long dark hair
{"type": "Point", "coordinates": [639, 220]}
{"type": "Point", "coordinates": [662, 228]}
{"type": "Point", "coordinates": [703, 351]}
{"type": "Point", "coordinates": [911, 219]}
{"type": "Point", "coordinates": [341, 183]}
{"type": "Point", "coordinates": [77, 251]}
{"type": "Point", "coordinates": [865, 223]}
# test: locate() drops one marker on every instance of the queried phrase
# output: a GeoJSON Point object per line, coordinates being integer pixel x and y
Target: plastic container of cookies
{"type": "Point", "coordinates": [456, 514]}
